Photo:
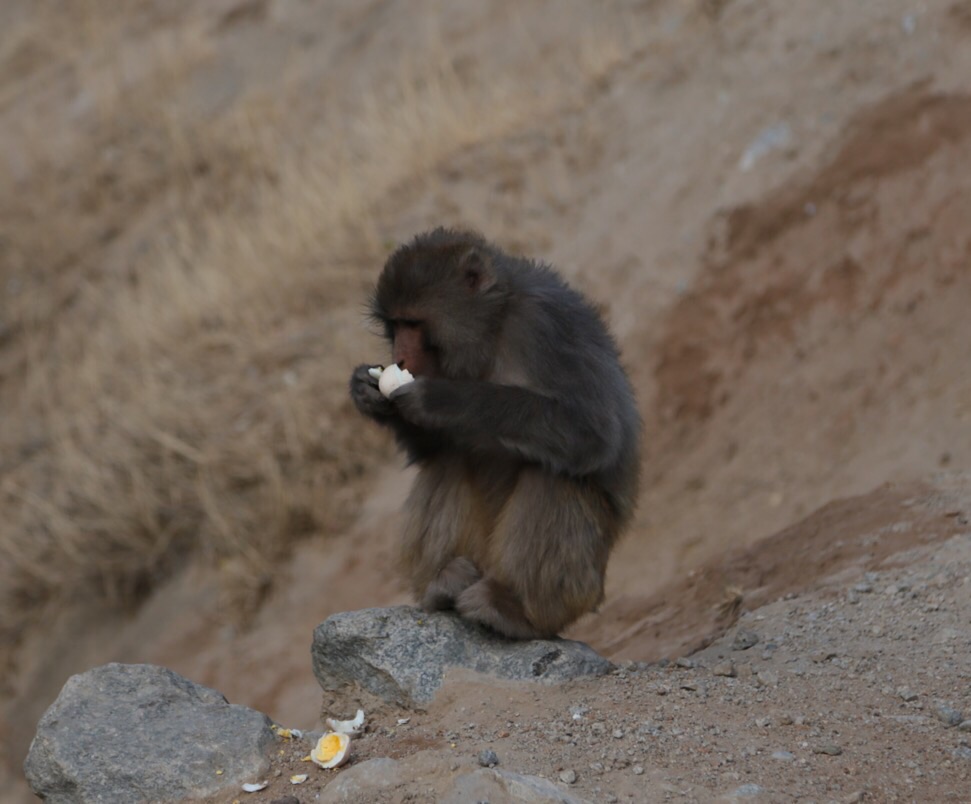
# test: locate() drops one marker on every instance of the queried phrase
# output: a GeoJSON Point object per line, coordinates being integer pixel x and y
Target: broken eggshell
{"type": "Point", "coordinates": [352, 727]}
{"type": "Point", "coordinates": [331, 750]}
{"type": "Point", "coordinates": [254, 788]}
{"type": "Point", "coordinates": [390, 377]}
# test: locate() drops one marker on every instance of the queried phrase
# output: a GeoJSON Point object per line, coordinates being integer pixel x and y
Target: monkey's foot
{"type": "Point", "coordinates": [457, 576]}
{"type": "Point", "coordinates": [496, 606]}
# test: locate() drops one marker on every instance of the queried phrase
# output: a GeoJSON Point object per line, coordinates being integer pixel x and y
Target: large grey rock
{"type": "Point", "coordinates": [143, 733]}
{"type": "Point", "coordinates": [401, 654]}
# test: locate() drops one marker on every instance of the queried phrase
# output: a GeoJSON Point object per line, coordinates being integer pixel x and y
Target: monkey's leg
{"type": "Point", "coordinates": [495, 605]}
{"type": "Point", "coordinates": [547, 560]}
{"type": "Point", "coordinates": [444, 534]}
{"type": "Point", "coordinates": [457, 576]}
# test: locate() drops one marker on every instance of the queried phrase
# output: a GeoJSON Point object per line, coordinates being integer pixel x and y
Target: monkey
{"type": "Point", "coordinates": [522, 423]}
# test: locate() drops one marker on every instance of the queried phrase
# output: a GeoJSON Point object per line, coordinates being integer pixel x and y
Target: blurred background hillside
{"type": "Point", "coordinates": [770, 199]}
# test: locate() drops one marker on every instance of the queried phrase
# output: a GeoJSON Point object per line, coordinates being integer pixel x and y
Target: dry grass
{"type": "Point", "coordinates": [183, 307]}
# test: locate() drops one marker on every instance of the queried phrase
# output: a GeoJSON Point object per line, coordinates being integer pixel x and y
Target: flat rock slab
{"type": "Point", "coordinates": [401, 654]}
{"type": "Point", "coordinates": [143, 733]}
{"type": "Point", "coordinates": [428, 776]}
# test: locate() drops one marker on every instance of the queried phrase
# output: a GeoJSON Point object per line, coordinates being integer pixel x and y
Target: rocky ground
{"type": "Point", "coordinates": [858, 689]}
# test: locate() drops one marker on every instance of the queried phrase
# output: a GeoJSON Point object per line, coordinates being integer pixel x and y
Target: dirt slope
{"type": "Point", "coordinates": [769, 198]}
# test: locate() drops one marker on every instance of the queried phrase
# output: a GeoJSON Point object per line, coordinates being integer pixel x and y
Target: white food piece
{"type": "Point", "coordinates": [254, 788]}
{"type": "Point", "coordinates": [392, 378]}
{"type": "Point", "coordinates": [331, 750]}
{"type": "Point", "coordinates": [355, 726]}
{"type": "Point", "coordinates": [375, 372]}
{"type": "Point", "coordinates": [298, 778]}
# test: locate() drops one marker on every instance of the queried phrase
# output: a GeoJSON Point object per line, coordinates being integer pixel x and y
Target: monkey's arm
{"type": "Point", "coordinates": [575, 434]}
{"type": "Point", "coordinates": [418, 442]}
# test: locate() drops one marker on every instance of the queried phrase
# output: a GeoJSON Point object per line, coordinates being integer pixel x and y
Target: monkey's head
{"type": "Point", "coordinates": [441, 300]}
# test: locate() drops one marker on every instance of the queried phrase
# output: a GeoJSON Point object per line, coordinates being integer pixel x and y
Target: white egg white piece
{"type": "Point", "coordinates": [299, 778]}
{"type": "Point", "coordinates": [355, 726]}
{"type": "Point", "coordinates": [393, 378]}
{"type": "Point", "coordinates": [375, 372]}
{"type": "Point", "coordinates": [254, 788]}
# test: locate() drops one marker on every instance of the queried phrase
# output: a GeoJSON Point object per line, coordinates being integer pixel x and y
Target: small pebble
{"type": "Point", "coordinates": [684, 661]}
{"type": "Point", "coordinates": [568, 776]}
{"type": "Point", "coordinates": [725, 668]}
{"type": "Point", "coordinates": [762, 722]}
{"type": "Point", "coordinates": [783, 756]}
{"type": "Point", "coordinates": [768, 678]}
{"type": "Point", "coordinates": [618, 734]}
{"type": "Point", "coordinates": [747, 791]}
{"type": "Point", "coordinates": [907, 694]}
{"type": "Point", "coordinates": [965, 725]}
{"type": "Point", "coordinates": [948, 715]}
{"type": "Point", "coordinates": [744, 639]}
{"type": "Point", "coordinates": [863, 587]}
{"type": "Point", "coordinates": [831, 749]}
{"type": "Point", "coordinates": [638, 770]}
{"type": "Point", "coordinates": [488, 758]}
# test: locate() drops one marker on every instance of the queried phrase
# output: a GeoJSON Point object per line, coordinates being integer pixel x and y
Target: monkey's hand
{"type": "Point", "coordinates": [367, 397]}
{"type": "Point", "coordinates": [411, 402]}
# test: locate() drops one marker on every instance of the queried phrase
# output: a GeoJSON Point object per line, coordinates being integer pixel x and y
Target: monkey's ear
{"type": "Point", "coordinates": [476, 270]}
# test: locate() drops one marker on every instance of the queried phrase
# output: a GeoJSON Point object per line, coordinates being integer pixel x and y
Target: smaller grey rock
{"type": "Point", "coordinates": [783, 756]}
{"type": "Point", "coordinates": [638, 770]}
{"type": "Point", "coordinates": [947, 714]}
{"type": "Point", "coordinates": [499, 785]}
{"type": "Point", "coordinates": [568, 776]}
{"type": "Point", "coordinates": [488, 758]}
{"type": "Point", "coordinates": [964, 725]}
{"type": "Point", "coordinates": [724, 668]}
{"type": "Point", "coordinates": [907, 694]}
{"type": "Point", "coordinates": [744, 639]}
{"type": "Point", "coordinates": [684, 662]}
{"type": "Point", "coordinates": [963, 752]}
{"type": "Point", "coordinates": [864, 587]}
{"type": "Point", "coordinates": [365, 781]}
{"type": "Point", "coordinates": [830, 749]}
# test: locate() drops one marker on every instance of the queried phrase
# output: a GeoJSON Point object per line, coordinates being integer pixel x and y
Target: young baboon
{"type": "Point", "coordinates": [523, 425]}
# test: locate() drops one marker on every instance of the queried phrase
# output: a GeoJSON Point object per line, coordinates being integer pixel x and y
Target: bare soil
{"type": "Point", "coordinates": [770, 199]}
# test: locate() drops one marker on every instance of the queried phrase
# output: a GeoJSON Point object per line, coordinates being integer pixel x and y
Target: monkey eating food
{"type": "Point", "coordinates": [523, 426]}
